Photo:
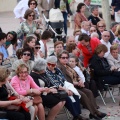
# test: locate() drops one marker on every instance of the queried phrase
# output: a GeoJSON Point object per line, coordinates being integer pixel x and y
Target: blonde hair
{"type": "Point", "coordinates": [101, 22]}
{"type": "Point", "coordinates": [117, 32]}
{"type": "Point", "coordinates": [4, 73]}
{"type": "Point", "coordinates": [113, 47]}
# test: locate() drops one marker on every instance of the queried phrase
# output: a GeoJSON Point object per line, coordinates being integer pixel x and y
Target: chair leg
{"type": "Point", "coordinates": [101, 97]}
{"type": "Point", "coordinates": [67, 113]}
{"type": "Point", "coordinates": [111, 94]}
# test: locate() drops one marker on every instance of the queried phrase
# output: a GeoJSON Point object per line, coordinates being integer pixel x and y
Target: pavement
{"type": "Point", "coordinates": [8, 23]}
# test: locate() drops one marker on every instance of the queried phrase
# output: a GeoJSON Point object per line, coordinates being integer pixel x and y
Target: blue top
{"type": "Point", "coordinates": [4, 51]}
{"type": "Point", "coordinates": [116, 3]}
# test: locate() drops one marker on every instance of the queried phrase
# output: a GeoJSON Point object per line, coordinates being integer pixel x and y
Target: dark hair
{"type": "Point", "coordinates": [27, 49]}
{"type": "Point", "coordinates": [62, 52]}
{"type": "Point", "coordinates": [28, 39]}
{"type": "Point", "coordinates": [19, 53]}
{"type": "Point", "coordinates": [46, 34]}
{"type": "Point", "coordinates": [28, 12]}
{"type": "Point", "coordinates": [93, 8]}
{"type": "Point", "coordinates": [113, 24]}
{"type": "Point", "coordinates": [70, 47]}
{"type": "Point", "coordinates": [2, 36]}
{"type": "Point", "coordinates": [14, 40]}
{"type": "Point", "coordinates": [79, 7]}
{"type": "Point", "coordinates": [100, 48]}
{"type": "Point", "coordinates": [37, 43]}
{"type": "Point", "coordinates": [84, 36]}
{"type": "Point", "coordinates": [57, 43]}
{"type": "Point", "coordinates": [31, 1]}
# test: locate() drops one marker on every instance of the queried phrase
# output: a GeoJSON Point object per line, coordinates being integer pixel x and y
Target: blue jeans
{"type": "Point", "coordinates": [65, 14]}
{"type": "Point", "coordinates": [73, 107]}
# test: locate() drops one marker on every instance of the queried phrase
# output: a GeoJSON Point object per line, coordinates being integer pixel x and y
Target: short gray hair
{"type": "Point", "coordinates": [94, 7]}
{"type": "Point", "coordinates": [39, 65]}
{"type": "Point", "coordinates": [51, 59]}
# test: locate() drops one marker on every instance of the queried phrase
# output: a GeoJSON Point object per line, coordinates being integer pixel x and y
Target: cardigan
{"type": "Point", "coordinates": [94, 42]}
{"type": "Point", "coordinates": [21, 86]}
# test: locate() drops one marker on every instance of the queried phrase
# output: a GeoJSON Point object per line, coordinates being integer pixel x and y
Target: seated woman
{"type": "Point", "coordinates": [50, 81]}
{"type": "Point", "coordinates": [87, 98]}
{"type": "Point", "coordinates": [114, 58]}
{"type": "Point", "coordinates": [25, 85]}
{"type": "Point", "coordinates": [49, 100]}
{"type": "Point", "coordinates": [25, 55]}
{"type": "Point", "coordinates": [5, 103]}
{"type": "Point", "coordinates": [103, 72]}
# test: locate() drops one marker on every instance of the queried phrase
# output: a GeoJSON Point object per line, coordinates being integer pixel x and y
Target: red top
{"type": "Point", "coordinates": [94, 42]}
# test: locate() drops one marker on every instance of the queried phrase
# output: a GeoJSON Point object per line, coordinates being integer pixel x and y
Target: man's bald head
{"type": "Point", "coordinates": [70, 39]}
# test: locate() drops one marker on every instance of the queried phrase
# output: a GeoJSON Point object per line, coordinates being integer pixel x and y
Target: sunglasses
{"type": "Point", "coordinates": [64, 57]}
{"type": "Point", "coordinates": [32, 4]}
{"type": "Point", "coordinates": [49, 64]}
{"type": "Point", "coordinates": [31, 15]}
{"type": "Point", "coordinates": [37, 47]}
{"type": "Point", "coordinates": [101, 26]}
{"type": "Point", "coordinates": [26, 54]}
{"type": "Point", "coordinates": [93, 31]}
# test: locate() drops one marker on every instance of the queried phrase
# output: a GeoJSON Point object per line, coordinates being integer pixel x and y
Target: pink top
{"type": "Point", "coordinates": [21, 86]}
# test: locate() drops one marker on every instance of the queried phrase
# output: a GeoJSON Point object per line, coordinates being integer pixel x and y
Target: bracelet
{"type": "Point", "coordinates": [31, 90]}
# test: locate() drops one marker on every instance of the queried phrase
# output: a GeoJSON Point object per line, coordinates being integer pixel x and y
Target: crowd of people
{"type": "Point", "coordinates": [65, 72]}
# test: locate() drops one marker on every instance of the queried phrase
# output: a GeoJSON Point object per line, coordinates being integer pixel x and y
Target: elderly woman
{"type": "Point", "coordinates": [87, 98]}
{"type": "Point", "coordinates": [114, 58]}
{"type": "Point", "coordinates": [103, 73]}
{"type": "Point", "coordinates": [25, 59]}
{"type": "Point", "coordinates": [25, 85]}
{"type": "Point", "coordinates": [50, 77]}
{"type": "Point", "coordinates": [49, 100]}
{"type": "Point", "coordinates": [5, 103]}
{"type": "Point", "coordinates": [80, 16]}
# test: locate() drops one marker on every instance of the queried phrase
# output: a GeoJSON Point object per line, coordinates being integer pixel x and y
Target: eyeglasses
{"type": "Point", "coordinates": [37, 47]}
{"type": "Point", "coordinates": [32, 4]}
{"type": "Point", "coordinates": [64, 57]}
{"type": "Point", "coordinates": [101, 26]}
{"type": "Point", "coordinates": [106, 36]}
{"type": "Point", "coordinates": [26, 54]}
{"type": "Point", "coordinates": [23, 72]}
{"type": "Point", "coordinates": [31, 15]}
{"type": "Point", "coordinates": [49, 64]}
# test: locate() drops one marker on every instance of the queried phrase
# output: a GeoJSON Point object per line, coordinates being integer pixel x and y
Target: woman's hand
{"type": "Point", "coordinates": [16, 101]}
{"type": "Point", "coordinates": [25, 99]}
{"type": "Point", "coordinates": [70, 93]}
{"type": "Point", "coordinates": [36, 91]}
{"type": "Point", "coordinates": [81, 83]}
{"type": "Point", "coordinates": [53, 90]}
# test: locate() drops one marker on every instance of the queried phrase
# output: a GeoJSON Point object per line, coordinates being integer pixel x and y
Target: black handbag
{"type": "Point", "coordinates": [61, 94]}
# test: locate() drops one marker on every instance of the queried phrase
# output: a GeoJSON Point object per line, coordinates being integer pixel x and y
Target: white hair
{"type": "Point", "coordinates": [94, 34]}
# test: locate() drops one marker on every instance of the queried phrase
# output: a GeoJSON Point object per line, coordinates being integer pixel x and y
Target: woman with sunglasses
{"type": "Point", "coordinates": [87, 98]}
{"type": "Point", "coordinates": [25, 59]}
{"type": "Point", "coordinates": [37, 52]}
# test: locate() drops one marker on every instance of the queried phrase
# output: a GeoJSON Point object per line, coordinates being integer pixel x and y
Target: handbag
{"type": "Point", "coordinates": [61, 95]}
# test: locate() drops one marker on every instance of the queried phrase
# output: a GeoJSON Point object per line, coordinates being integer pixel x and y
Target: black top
{"type": "Point", "coordinates": [116, 3]}
{"type": "Point", "coordinates": [93, 19]}
{"type": "Point", "coordinates": [3, 93]}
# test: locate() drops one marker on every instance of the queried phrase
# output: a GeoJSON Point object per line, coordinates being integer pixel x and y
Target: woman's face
{"type": "Point", "coordinates": [83, 9]}
{"type": "Point", "coordinates": [32, 5]}
{"type": "Point", "coordinates": [26, 56]}
{"type": "Point", "coordinates": [72, 62]}
{"type": "Point", "coordinates": [101, 54]}
{"type": "Point", "coordinates": [31, 16]}
{"type": "Point", "coordinates": [10, 37]}
{"type": "Point", "coordinates": [31, 44]}
{"type": "Point", "coordinates": [101, 27]}
{"type": "Point", "coordinates": [37, 48]}
{"type": "Point", "coordinates": [63, 59]}
{"type": "Point", "coordinates": [23, 74]}
{"type": "Point", "coordinates": [58, 48]}
{"type": "Point", "coordinates": [51, 66]}
{"type": "Point", "coordinates": [114, 53]}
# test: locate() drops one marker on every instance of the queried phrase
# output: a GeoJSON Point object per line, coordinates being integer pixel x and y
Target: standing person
{"type": "Point", "coordinates": [65, 9]}
{"type": "Point", "coordinates": [116, 8]}
{"type": "Point", "coordinates": [80, 16]}
{"type": "Point", "coordinates": [87, 45]}
{"type": "Point", "coordinates": [88, 8]}
{"type": "Point", "coordinates": [5, 103]}
{"type": "Point", "coordinates": [3, 37]}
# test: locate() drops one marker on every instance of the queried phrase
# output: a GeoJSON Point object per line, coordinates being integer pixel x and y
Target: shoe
{"type": "Point", "coordinates": [94, 116]}
{"type": "Point", "coordinates": [101, 115]}
{"type": "Point", "coordinates": [82, 118]}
